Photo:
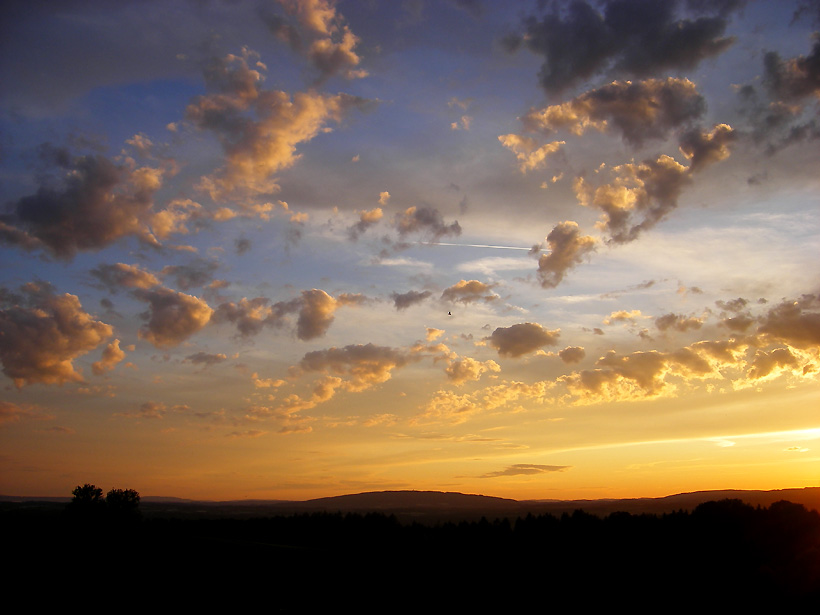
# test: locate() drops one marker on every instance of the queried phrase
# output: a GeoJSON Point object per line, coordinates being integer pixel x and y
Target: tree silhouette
{"type": "Point", "coordinates": [123, 503]}
{"type": "Point", "coordinates": [87, 495]}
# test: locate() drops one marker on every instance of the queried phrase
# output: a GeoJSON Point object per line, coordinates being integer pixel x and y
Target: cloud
{"type": "Point", "coordinates": [366, 220]}
{"type": "Point", "coordinates": [118, 276]}
{"type": "Point", "coordinates": [259, 129]}
{"type": "Point", "coordinates": [172, 316]}
{"type": "Point", "coordinates": [623, 316]}
{"type": "Point", "coordinates": [704, 148]}
{"type": "Point", "coordinates": [523, 469]}
{"type": "Point", "coordinates": [467, 369]}
{"type": "Point", "coordinates": [641, 195]}
{"type": "Point", "coordinates": [521, 339]}
{"type": "Point", "coordinates": [315, 311]}
{"type": "Point", "coordinates": [468, 291]}
{"type": "Point", "coordinates": [530, 156]}
{"type": "Point", "coordinates": [639, 111]}
{"type": "Point", "coordinates": [94, 203]}
{"type": "Point", "coordinates": [111, 356]}
{"type": "Point", "coordinates": [426, 221]}
{"type": "Point", "coordinates": [678, 322]}
{"type": "Point", "coordinates": [12, 413]}
{"type": "Point", "coordinates": [206, 358]}
{"type": "Point", "coordinates": [402, 301]}
{"type": "Point", "coordinates": [567, 248]}
{"type": "Point", "coordinates": [319, 33]}
{"type": "Point", "coordinates": [364, 366]}
{"type": "Point", "coordinates": [796, 323]}
{"type": "Point", "coordinates": [632, 37]}
{"type": "Point", "coordinates": [795, 78]}
{"type": "Point", "coordinates": [197, 273]}
{"type": "Point", "coordinates": [572, 354]}
{"type": "Point", "coordinates": [41, 334]}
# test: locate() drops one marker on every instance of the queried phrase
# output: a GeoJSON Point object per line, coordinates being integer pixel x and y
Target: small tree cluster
{"type": "Point", "coordinates": [118, 503]}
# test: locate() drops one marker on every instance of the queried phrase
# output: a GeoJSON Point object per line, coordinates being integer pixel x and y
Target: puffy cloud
{"type": "Point", "coordinates": [364, 366]}
{"type": "Point", "coordinates": [567, 248]}
{"type": "Point", "coordinates": [403, 301]}
{"type": "Point", "coordinates": [117, 276]}
{"type": "Point", "coordinates": [258, 129]}
{"type": "Point", "coordinates": [704, 148]}
{"type": "Point", "coordinates": [678, 322]}
{"type": "Point", "coordinates": [42, 333]}
{"type": "Point", "coordinates": [522, 339]}
{"type": "Point", "coordinates": [172, 316]}
{"type": "Point", "coordinates": [321, 34]}
{"type": "Point", "coordinates": [637, 37]}
{"type": "Point", "coordinates": [467, 369]}
{"type": "Point", "coordinates": [530, 156]}
{"type": "Point", "coordinates": [468, 291]}
{"type": "Point", "coordinates": [623, 316]}
{"type": "Point", "coordinates": [796, 323]}
{"type": "Point", "coordinates": [175, 218]}
{"type": "Point", "coordinates": [94, 203]}
{"type": "Point", "coordinates": [572, 354]}
{"type": "Point", "coordinates": [425, 221]}
{"type": "Point", "coordinates": [315, 309]}
{"type": "Point", "coordinates": [111, 356]}
{"type": "Point", "coordinates": [767, 364]}
{"type": "Point", "coordinates": [641, 195]}
{"type": "Point", "coordinates": [638, 111]}
{"type": "Point", "coordinates": [366, 220]}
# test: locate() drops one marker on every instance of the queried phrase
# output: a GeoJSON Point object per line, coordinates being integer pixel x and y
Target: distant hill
{"type": "Point", "coordinates": [434, 506]}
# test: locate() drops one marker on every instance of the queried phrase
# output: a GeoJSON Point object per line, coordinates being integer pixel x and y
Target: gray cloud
{"type": "Point", "coordinates": [631, 37]}
{"type": "Point", "coordinates": [405, 300]}
{"type": "Point", "coordinates": [41, 334]}
{"type": "Point", "coordinates": [93, 204]}
{"type": "Point", "coordinates": [522, 469]}
{"type": "Point", "coordinates": [567, 248]}
{"type": "Point", "coordinates": [521, 339]}
{"type": "Point", "coordinates": [172, 316]}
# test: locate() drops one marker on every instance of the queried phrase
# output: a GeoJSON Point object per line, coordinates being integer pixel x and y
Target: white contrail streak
{"type": "Point", "coordinates": [476, 245]}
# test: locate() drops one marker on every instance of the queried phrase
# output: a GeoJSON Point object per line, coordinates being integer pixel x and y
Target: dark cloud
{"type": "Point", "coordinates": [572, 354]}
{"type": "Point", "coordinates": [521, 339]}
{"type": "Point", "coordinates": [425, 221]}
{"type": "Point", "coordinates": [172, 316]}
{"type": "Point", "coordinates": [242, 245]}
{"type": "Point", "coordinates": [567, 248]}
{"type": "Point", "coordinates": [642, 110]}
{"type": "Point", "coordinates": [315, 309]}
{"type": "Point", "coordinates": [627, 37]}
{"type": "Point", "coordinates": [118, 276]}
{"type": "Point", "coordinates": [41, 333]}
{"type": "Point", "coordinates": [796, 323]}
{"type": "Point", "coordinates": [94, 203]}
{"type": "Point", "coordinates": [198, 273]}
{"type": "Point", "coordinates": [640, 197]}
{"type": "Point", "coordinates": [365, 365]}
{"type": "Point", "coordinates": [206, 358]}
{"type": "Point", "coordinates": [785, 112]}
{"type": "Point", "coordinates": [678, 322]}
{"type": "Point", "coordinates": [405, 300]}
{"type": "Point", "coordinates": [366, 220]}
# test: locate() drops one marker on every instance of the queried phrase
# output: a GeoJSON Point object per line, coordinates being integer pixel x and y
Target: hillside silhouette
{"type": "Point", "coordinates": [460, 551]}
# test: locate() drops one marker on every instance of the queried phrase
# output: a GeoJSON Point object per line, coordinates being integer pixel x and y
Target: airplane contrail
{"type": "Point", "coordinates": [476, 245]}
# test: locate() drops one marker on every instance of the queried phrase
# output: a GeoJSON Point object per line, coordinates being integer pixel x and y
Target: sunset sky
{"type": "Point", "coordinates": [301, 248]}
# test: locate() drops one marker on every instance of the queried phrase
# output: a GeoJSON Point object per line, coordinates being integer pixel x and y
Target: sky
{"type": "Point", "coordinates": [287, 249]}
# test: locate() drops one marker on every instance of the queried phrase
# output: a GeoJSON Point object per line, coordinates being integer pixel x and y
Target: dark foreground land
{"type": "Point", "coordinates": [721, 554]}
